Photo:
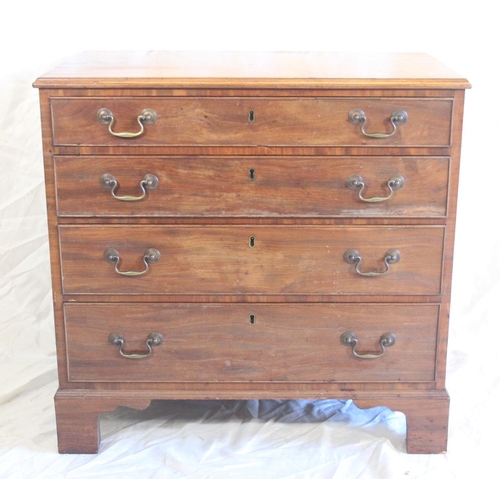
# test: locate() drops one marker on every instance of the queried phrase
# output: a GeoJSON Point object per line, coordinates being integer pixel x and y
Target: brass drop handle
{"type": "Point", "coordinates": [352, 256]}
{"type": "Point", "coordinates": [151, 256]}
{"type": "Point", "coordinates": [110, 183]}
{"type": "Point", "coordinates": [358, 117]}
{"type": "Point", "coordinates": [350, 340]}
{"type": "Point", "coordinates": [147, 117]}
{"type": "Point", "coordinates": [154, 339]}
{"type": "Point", "coordinates": [355, 182]}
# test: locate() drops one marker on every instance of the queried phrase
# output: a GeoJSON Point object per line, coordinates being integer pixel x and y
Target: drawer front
{"type": "Point", "coordinates": [213, 343]}
{"type": "Point", "coordinates": [251, 259]}
{"type": "Point", "coordinates": [251, 122]}
{"type": "Point", "coordinates": [252, 186]}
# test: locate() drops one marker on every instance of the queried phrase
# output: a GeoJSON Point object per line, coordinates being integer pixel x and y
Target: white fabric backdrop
{"type": "Point", "coordinates": [268, 439]}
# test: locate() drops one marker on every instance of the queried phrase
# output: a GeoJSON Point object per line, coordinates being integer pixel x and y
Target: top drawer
{"type": "Point", "coordinates": [252, 122]}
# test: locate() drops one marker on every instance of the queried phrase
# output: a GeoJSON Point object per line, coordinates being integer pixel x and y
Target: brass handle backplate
{"type": "Point", "coordinates": [147, 117]}
{"type": "Point", "coordinates": [154, 339]}
{"type": "Point", "coordinates": [350, 340]}
{"type": "Point", "coordinates": [356, 183]}
{"type": "Point", "coordinates": [151, 256]}
{"type": "Point", "coordinates": [352, 256]}
{"type": "Point", "coordinates": [110, 183]}
{"type": "Point", "coordinates": [358, 117]}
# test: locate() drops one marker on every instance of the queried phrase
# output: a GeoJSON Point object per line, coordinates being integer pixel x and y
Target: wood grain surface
{"type": "Point", "coordinates": [214, 343]}
{"type": "Point", "coordinates": [219, 260]}
{"type": "Point", "coordinates": [252, 186]}
{"type": "Point", "coordinates": [278, 121]}
{"type": "Point", "coordinates": [156, 69]}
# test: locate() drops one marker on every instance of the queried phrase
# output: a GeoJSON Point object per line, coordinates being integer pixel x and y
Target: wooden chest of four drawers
{"type": "Point", "coordinates": [239, 226]}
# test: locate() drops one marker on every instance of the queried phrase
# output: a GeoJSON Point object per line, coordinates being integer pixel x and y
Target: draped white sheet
{"type": "Point", "coordinates": [224, 439]}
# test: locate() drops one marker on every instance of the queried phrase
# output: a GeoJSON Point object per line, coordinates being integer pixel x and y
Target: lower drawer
{"type": "Point", "coordinates": [251, 342]}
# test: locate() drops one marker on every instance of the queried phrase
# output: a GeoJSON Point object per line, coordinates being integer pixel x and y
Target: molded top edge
{"type": "Point", "coordinates": [328, 70]}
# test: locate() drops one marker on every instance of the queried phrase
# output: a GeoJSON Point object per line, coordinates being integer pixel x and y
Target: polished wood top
{"type": "Point", "coordinates": [327, 70]}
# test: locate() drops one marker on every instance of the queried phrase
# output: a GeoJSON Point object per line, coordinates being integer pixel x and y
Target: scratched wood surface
{"type": "Point", "coordinates": [219, 260]}
{"type": "Point", "coordinates": [266, 187]}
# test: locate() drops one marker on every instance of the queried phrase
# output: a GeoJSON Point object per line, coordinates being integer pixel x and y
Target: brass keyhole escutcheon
{"type": "Point", "coordinates": [251, 241]}
{"type": "Point", "coordinates": [251, 318]}
{"type": "Point", "coordinates": [251, 174]}
{"type": "Point", "coordinates": [251, 115]}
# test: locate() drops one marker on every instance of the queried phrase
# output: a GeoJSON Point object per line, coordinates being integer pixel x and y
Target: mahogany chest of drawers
{"type": "Point", "coordinates": [239, 226]}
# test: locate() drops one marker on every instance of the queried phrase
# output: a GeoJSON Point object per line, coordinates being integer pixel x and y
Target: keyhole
{"type": "Point", "coordinates": [251, 317]}
{"type": "Point", "coordinates": [251, 115]}
{"type": "Point", "coordinates": [251, 174]}
{"type": "Point", "coordinates": [251, 241]}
